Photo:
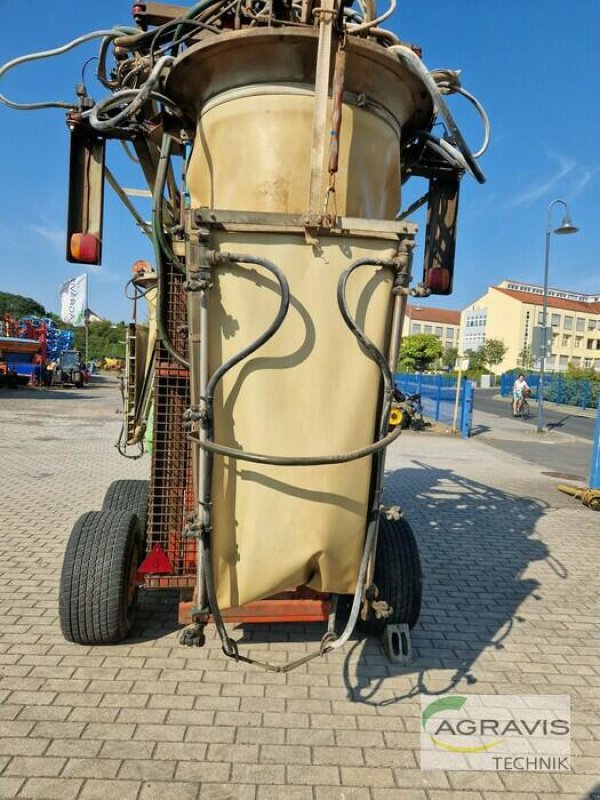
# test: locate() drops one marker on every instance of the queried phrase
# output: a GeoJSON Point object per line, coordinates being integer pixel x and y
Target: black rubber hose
{"type": "Point", "coordinates": [373, 352]}
{"type": "Point", "coordinates": [162, 287]}
{"type": "Point", "coordinates": [268, 333]}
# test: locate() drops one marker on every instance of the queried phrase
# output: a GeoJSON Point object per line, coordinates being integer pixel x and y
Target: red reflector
{"type": "Point", "coordinates": [438, 279]}
{"type": "Point", "coordinates": [84, 248]}
{"type": "Point", "coordinates": [156, 562]}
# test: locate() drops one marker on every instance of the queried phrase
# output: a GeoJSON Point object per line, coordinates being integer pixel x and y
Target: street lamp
{"type": "Point", "coordinates": [566, 226]}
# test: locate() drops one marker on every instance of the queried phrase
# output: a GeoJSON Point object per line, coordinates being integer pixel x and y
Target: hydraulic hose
{"type": "Point", "coordinates": [481, 111]}
{"type": "Point", "coordinates": [141, 96]}
{"type": "Point", "coordinates": [157, 200]}
{"type": "Point", "coordinates": [372, 350]}
{"type": "Point", "coordinates": [365, 26]}
{"type": "Point", "coordinates": [268, 333]}
{"type": "Point", "coordinates": [111, 34]}
{"type": "Point", "coordinates": [416, 66]}
{"type": "Point", "coordinates": [329, 642]}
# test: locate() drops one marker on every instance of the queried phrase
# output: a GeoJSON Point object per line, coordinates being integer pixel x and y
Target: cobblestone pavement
{"type": "Point", "coordinates": [511, 606]}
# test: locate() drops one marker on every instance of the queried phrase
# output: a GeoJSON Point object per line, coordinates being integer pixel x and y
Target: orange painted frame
{"type": "Point", "coordinates": [299, 606]}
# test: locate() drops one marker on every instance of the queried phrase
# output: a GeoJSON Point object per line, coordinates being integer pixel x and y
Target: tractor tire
{"type": "Point", "coordinates": [98, 589]}
{"type": "Point", "coordinates": [397, 576]}
{"type": "Point", "coordinates": [127, 495]}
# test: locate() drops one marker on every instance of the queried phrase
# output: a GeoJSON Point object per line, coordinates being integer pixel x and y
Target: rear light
{"type": "Point", "coordinates": [437, 279]}
{"type": "Point", "coordinates": [84, 248]}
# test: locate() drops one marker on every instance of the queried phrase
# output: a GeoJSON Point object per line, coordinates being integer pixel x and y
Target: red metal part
{"type": "Point", "coordinates": [156, 562]}
{"type": "Point", "coordinates": [300, 606]}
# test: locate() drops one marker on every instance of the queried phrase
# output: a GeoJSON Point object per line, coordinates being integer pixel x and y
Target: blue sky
{"type": "Point", "coordinates": [533, 63]}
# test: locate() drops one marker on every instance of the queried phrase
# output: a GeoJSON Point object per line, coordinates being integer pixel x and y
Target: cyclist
{"type": "Point", "coordinates": [520, 388]}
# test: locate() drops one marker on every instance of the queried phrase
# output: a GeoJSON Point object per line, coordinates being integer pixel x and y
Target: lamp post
{"type": "Point", "coordinates": [566, 226]}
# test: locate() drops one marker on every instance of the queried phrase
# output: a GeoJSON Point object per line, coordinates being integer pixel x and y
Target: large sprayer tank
{"type": "Point", "coordinates": [310, 389]}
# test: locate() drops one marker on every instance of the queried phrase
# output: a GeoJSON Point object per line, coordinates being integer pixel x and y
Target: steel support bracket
{"type": "Point", "coordinates": [395, 640]}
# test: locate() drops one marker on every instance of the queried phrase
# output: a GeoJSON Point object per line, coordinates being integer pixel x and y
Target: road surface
{"type": "Point", "coordinates": [556, 419]}
{"type": "Point", "coordinates": [564, 451]}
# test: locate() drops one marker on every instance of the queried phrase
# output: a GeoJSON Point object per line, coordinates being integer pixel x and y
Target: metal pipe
{"type": "Point", "coordinates": [197, 310]}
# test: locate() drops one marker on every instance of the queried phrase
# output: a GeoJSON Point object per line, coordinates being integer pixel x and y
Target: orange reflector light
{"type": "Point", "coordinates": [156, 562]}
{"type": "Point", "coordinates": [84, 248]}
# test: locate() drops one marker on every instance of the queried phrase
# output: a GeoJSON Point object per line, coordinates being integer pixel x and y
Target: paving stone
{"type": "Point", "coordinates": [150, 770]}
{"type": "Point", "coordinates": [51, 788]}
{"type": "Point", "coordinates": [91, 768]}
{"type": "Point", "coordinates": [9, 787]}
{"type": "Point", "coordinates": [35, 766]}
{"type": "Point", "coordinates": [156, 790]}
{"type": "Point", "coordinates": [101, 790]}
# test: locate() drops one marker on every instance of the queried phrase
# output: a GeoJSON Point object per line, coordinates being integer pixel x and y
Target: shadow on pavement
{"type": "Point", "coordinates": [475, 543]}
{"type": "Point", "coordinates": [477, 430]}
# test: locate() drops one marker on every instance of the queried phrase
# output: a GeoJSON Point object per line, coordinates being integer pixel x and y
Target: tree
{"type": "Point", "coordinates": [476, 360]}
{"type": "Point", "coordinates": [419, 352]}
{"type": "Point", "coordinates": [493, 352]}
{"type": "Point", "coordinates": [105, 339]}
{"type": "Point", "coordinates": [18, 306]}
{"type": "Point", "coordinates": [526, 359]}
{"type": "Point", "coordinates": [449, 357]}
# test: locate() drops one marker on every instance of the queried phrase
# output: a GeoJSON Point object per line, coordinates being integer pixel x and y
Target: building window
{"type": "Point", "coordinates": [449, 344]}
{"type": "Point", "coordinates": [568, 323]}
{"type": "Point", "coordinates": [439, 332]}
{"type": "Point", "coordinates": [580, 324]}
{"type": "Point", "coordinates": [428, 329]}
{"type": "Point", "coordinates": [593, 344]}
{"type": "Point", "coordinates": [588, 363]}
{"type": "Point", "coordinates": [563, 362]}
{"type": "Point", "coordinates": [415, 327]}
{"type": "Point", "coordinates": [449, 333]}
{"type": "Point", "coordinates": [555, 320]}
{"type": "Point", "coordinates": [576, 361]}
{"type": "Point", "coordinates": [592, 324]}
{"type": "Point", "coordinates": [566, 341]}
{"type": "Point", "coordinates": [579, 341]}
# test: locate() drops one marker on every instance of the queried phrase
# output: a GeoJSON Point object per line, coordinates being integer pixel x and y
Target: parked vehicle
{"type": "Point", "coordinates": [67, 370]}
{"type": "Point", "coordinates": [407, 411]}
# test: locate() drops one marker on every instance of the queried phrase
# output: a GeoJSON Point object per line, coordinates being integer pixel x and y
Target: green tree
{"type": "Point", "coordinates": [19, 306]}
{"type": "Point", "coordinates": [477, 360]}
{"type": "Point", "coordinates": [526, 359]}
{"type": "Point", "coordinates": [419, 352]}
{"type": "Point", "coordinates": [493, 352]}
{"type": "Point", "coordinates": [449, 357]}
{"type": "Point", "coordinates": [105, 339]}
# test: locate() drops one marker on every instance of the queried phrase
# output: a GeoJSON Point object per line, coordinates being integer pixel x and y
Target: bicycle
{"type": "Point", "coordinates": [523, 406]}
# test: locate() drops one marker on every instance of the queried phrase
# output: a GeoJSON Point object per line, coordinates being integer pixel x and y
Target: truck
{"type": "Point", "coordinates": [276, 139]}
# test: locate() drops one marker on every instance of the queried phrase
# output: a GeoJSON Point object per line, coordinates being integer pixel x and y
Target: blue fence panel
{"type": "Point", "coordinates": [437, 392]}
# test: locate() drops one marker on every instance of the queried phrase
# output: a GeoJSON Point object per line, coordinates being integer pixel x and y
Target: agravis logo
{"type": "Point", "coordinates": [495, 732]}
{"type": "Point", "coordinates": [452, 703]}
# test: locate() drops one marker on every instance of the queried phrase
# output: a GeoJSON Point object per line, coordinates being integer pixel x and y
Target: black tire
{"type": "Point", "coordinates": [397, 576]}
{"type": "Point", "coordinates": [98, 592]}
{"type": "Point", "coordinates": [127, 495]}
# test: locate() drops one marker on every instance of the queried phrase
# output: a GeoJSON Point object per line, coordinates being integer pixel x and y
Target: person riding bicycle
{"type": "Point", "coordinates": [520, 391]}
